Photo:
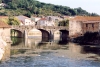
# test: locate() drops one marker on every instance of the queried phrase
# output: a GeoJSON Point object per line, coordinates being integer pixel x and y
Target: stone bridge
{"type": "Point", "coordinates": [47, 31]}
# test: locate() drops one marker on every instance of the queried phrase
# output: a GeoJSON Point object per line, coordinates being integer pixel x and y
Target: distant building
{"type": "Point", "coordinates": [35, 19]}
{"type": "Point", "coordinates": [46, 22]}
{"type": "Point", "coordinates": [79, 25]}
{"type": "Point", "coordinates": [53, 18]}
{"type": "Point", "coordinates": [25, 20]}
{"type": "Point", "coordinates": [2, 5]}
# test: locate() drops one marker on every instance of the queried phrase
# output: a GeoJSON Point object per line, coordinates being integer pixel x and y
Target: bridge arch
{"type": "Point", "coordinates": [34, 33]}
{"type": "Point", "coordinates": [64, 35]}
{"type": "Point", "coordinates": [43, 34]}
{"type": "Point", "coordinates": [16, 33]}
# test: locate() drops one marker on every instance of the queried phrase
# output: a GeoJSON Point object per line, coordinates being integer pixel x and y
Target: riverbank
{"type": "Point", "coordinates": [88, 38]}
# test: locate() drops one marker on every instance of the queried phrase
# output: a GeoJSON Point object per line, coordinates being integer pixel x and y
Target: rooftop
{"type": "Point", "coordinates": [22, 17]}
{"type": "Point", "coordinates": [86, 18]}
{"type": "Point", "coordinates": [3, 16]}
{"type": "Point", "coordinates": [43, 19]}
{"type": "Point", "coordinates": [4, 25]}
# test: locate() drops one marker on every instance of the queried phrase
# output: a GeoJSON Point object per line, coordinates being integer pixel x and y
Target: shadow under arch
{"type": "Point", "coordinates": [64, 37]}
{"type": "Point", "coordinates": [43, 34]}
{"type": "Point", "coordinates": [17, 33]}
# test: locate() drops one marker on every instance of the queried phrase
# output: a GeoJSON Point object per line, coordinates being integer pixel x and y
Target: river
{"type": "Point", "coordinates": [34, 52]}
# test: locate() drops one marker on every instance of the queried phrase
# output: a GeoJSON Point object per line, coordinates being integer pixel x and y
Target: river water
{"type": "Point", "coordinates": [34, 52]}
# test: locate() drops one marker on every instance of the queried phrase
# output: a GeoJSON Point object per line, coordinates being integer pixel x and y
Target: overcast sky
{"type": "Point", "coordinates": [88, 5]}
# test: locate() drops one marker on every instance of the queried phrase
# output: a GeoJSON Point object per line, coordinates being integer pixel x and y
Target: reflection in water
{"type": "Point", "coordinates": [63, 41]}
{"type": "Point", "coordinates": [16, 41]}
{"type": "Point", "coordinates": [34, 52]}
{"type": "Point", "coordinates": [33, 43]}
{"type": "Point", "coordinates": [74, 48]}
{"type": "Point", "coordinates": [45, 39]}
{"type": "Point", "coordinates": [92, 49]}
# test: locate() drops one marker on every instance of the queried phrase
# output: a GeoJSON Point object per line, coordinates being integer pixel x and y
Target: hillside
{"type": "Point", "coordinates": [29, 7]}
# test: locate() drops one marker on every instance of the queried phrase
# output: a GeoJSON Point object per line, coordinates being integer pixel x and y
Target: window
{"type": "Point", "coordinates": [86, 25]}
{"type": "Point", "coordinates": [92, 25]}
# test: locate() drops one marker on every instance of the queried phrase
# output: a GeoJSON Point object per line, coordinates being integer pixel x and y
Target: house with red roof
{"type": "Point", "coordinates": [46, 22]}
{"type": "Point", "coordinates": [25, 20]}
{"type": "Point", "coordinates": [79, 25]}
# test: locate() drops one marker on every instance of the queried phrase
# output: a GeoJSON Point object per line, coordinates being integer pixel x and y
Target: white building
{"type": "Point", "coordinates": [25, 20]}
{"type": "Point", "coordinates": [35, 19]}
{"type": "Point", "coordinates": [46, 22]}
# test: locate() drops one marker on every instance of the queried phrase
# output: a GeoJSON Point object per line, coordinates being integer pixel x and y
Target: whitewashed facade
{"type": "Point", "coordinates": [45, 22]}
{"type": "Point", "coordinates": [25, 20]}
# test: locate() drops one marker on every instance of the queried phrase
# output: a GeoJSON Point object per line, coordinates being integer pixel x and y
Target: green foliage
{"type": "Point", "coordinates": [64, 23]}
{"type": "Point", "coordinates": [13, 21]}
{"type": "Point", "coordinates": [5, 20]}
{"type": "Point", "coordinates": [28, 14]}
{"type": "Point", "coordinates": [0, 1]}
{"type": "Point", "coordinates": [28, 7]}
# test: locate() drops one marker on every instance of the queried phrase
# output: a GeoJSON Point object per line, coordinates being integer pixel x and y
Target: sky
{"type": "Point", "coordinates": [88, 5]}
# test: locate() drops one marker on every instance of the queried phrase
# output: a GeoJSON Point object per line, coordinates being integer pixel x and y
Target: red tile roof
{"type": "Point", "coordinates": [43, 19]}
{"type": "Point", "coordinates": [85, 18]}
{"type": "Point", "coordinates": [4, 25]}
{"type": "Point", "coordinates": [3, 16]}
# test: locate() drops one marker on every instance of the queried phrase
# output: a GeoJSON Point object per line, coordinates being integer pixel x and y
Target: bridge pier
{"type": "Point", "coordinates": [47, 35]}
{"type": "Point", "coordinates": [51, 35]}
{"type": "Point", "coordinates": [25, 34]}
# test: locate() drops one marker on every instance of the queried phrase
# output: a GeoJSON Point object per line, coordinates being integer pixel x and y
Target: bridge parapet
{"type": "Point", "coordinates": [28, 27]}
{"type": "Point", "coordinates": [63, 28]}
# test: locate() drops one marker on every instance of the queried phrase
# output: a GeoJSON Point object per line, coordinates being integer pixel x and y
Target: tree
{"type": "Point", "coordinates": [13, 21]}
{"type": "Point", "coordinates": [72, 11]}
{"type": "Point", "coordinates": [36, 7]}
{"type": "Point", "coordinates": [28, 14]}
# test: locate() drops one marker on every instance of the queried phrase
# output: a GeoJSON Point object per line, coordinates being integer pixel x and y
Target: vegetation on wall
{"type": "Point", "coordinates": [13, 21]}
{"type": "Point", "coordinates": [10, 20]}
{"type": "Point", "coordinates": [64, 23]}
